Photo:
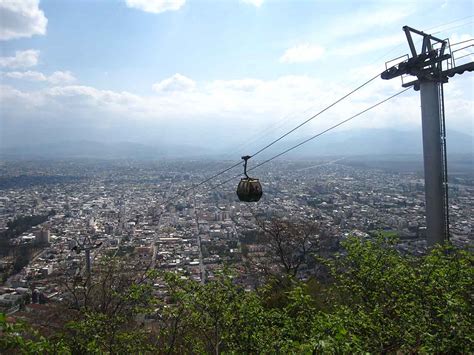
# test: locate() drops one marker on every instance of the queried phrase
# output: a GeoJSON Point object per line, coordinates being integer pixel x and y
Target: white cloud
{"type": "Point", "coordinates": [57, 78]}
{"type": "Point", "coordinates": [302, 53]}
{"type": "Point", "coordinates": [256, 3]}
{"type": "Point", "coordinates": [222, 110]}
{"type": "Point", "coordinates": [21, 18]}
{"type": "Point", "coordinates": [239, 85]}
{"type": "Point", "coordinates": [177, 82]}
{"type": "Point", "coordinates": [61, 77]}
{"type": "Point", "coordinates": [92, 97]}
{"type": "Point", "coordinates": [21, 59]}
{"type": "Point", "coordinates": [245, 102]}
{"type": "Point", "coordinates": [26, 75]}
{"type": "Point", "coordinates": [156, 6]}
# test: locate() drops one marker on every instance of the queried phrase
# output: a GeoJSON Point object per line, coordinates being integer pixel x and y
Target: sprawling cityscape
{"type": "Point", "coordinates": [136, 209]}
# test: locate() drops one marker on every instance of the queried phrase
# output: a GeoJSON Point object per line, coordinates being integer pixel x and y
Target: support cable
{"type": "Point", "coordinates": [316, 115]}
{"type": "Point", "coordinates": [282, 120]}
{"type": "Point", "coordinates": [448, 23]}
{"type": "Point", "coordinates": [295, 128]}
{"type": "Point", "coordinates": [458, 43]}
{"type": "Point", "coordinates": [464, 56]}
{"type": "Point", "coordinates": [452, 28]}
{"type": "Point", "coordinates": [201, 183]}
{"type": "Point", "coordinates": [314, 137]}
{"type": "Point", "coordinates": [274, 141]}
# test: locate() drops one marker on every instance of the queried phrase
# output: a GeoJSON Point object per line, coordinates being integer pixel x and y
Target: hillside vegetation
{"type": "Point", "coordinates": [373, 300]}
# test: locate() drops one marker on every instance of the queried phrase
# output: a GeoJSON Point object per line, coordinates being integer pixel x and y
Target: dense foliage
{"type": "Point", "coordinates": [376, 300]}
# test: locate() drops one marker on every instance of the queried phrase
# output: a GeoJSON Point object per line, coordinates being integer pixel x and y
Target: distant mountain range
{"type": "Point", "coordinates": [344, 143]}
{"type": "Point", "coordinates": [381, 142]}
{"type": "Point", "coordinates": [85, 149]}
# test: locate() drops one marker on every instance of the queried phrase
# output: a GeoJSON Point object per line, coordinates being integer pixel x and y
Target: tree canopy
{"type": "Point", "coordinates": [376, 300]}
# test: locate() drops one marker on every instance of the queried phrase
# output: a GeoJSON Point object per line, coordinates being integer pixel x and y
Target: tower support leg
{"type": "Point", "coordinates": [433, 163]}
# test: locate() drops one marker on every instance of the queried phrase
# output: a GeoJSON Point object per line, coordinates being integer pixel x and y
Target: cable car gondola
{"type": "Point", "coordinates": [249, 189]}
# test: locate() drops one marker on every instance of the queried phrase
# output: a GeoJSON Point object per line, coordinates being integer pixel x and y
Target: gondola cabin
{"type": "Point", "coordinates": [249, 190]}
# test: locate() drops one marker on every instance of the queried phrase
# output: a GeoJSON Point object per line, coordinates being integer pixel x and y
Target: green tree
{"type": "Point", "coordinates": [19, 336]}
{"type": "Point", "coordinates": [384, 301]}
{"type": "Point", "coordinates": [377, 301]}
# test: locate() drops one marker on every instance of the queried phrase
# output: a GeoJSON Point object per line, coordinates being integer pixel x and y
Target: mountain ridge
{"type": "Point", "coordinates": [343, 143]}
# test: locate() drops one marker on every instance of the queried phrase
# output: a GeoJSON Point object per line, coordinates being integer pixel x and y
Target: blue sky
{"type": "Point", "coordinates": [187, 70]}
